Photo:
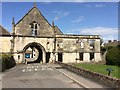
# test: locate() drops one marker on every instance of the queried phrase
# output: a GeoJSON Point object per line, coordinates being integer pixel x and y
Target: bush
{"type": "Point", "coordinates": [103, 49]}
{"type": "Point", "coordinates": [6, 61]}
{"type": "Point", "coordinates": [113, 56]}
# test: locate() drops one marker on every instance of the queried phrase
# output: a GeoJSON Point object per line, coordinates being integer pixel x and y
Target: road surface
{"type": "Point", "coordinates": [44, 76]}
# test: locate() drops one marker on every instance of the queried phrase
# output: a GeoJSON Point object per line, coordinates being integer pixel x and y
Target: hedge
{"type": "Point", "coordinates": [113, 56]}
{"type": "Point", "coordinates": [6, 61]}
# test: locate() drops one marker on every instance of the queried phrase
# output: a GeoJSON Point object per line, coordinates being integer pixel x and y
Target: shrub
{"type": "Point", "coordinates": [6, 61]}
{"type": "Point", "coordinates": [103, 49]}
{"type": "Point", "coordinates": [113, 56]}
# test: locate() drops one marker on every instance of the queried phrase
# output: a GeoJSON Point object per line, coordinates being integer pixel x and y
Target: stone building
{"type": "Point", "coordinates": [34, 39]}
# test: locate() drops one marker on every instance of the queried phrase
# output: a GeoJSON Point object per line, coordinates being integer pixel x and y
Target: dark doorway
{"type": "Point", "coordinates": [81, 56]}
{"type": "Point", "coordinates": [60, 57]}
{"type": "Point", "coordinates": [91, 56]}
{"type": "Point", "coordinates": [47, 57]}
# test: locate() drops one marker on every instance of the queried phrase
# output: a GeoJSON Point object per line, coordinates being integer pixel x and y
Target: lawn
{"type": "Point", "coordinates": [100, 68]}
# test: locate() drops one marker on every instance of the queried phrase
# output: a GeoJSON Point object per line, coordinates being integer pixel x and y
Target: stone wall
{"type": "Point", "coordinates": [5, 46]}
{"type": "Point", "coordinates": [107, 80]}
{"type": "Point", "coordinates": [67, 46]}
{"type": "Point", "coordinates": [69, 57]}
{"type": "Point", "coordinates": [23, 26]}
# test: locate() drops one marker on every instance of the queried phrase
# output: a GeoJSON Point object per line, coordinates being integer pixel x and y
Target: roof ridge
{"type": "Point", "coordinates": [29, 12]}
{"type": "Point", "coordinates": [24, 16]}
{"type": "Point", "coordinates": [2, 28]}
{"type": "Point", "coordinates": [59, 29]}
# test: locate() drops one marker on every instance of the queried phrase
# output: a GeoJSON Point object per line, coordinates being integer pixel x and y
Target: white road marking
{"type": "Point", "coordinates": [50, 69]}
{"type": "Point", "coordinates": [35, 69]}
{"type": "Point", "coordinates": [42, 68]}
{"type": "Point", "coordinates": [23, 70]}
{"type": "Point", "coordinates": [30, 70]}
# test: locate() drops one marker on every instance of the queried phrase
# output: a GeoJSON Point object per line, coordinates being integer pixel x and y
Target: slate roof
{"type": "Point", "coordinates": [3, 31]}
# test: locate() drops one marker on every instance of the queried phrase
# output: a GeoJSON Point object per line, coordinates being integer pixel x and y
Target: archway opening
{"type": "Point", "coordinates": [33, 53]}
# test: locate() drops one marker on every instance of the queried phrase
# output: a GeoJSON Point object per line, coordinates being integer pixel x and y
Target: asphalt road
{"type": "Point", "coordinates": [46, 76]}
{"type": "Point", "coordinates": [36, 76]}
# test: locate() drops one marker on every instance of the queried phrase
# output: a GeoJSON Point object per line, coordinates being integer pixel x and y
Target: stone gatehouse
{"type": "Point", "coordinates": [34, 39]}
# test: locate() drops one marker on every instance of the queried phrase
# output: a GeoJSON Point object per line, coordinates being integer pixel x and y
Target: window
{"type": "Point", "coordinates": [91, 42]}
{"type": "Point", "coordinates": [18, 56]}
{"type": "Point", "coordinates": [35, 32]}
{"type": "Point", "coordinates": [82, 45]}
{"type": "Point", "coordinates": [32, 32]}
{"type": "Point", "coordinates": [34, 28]}
{"type": "Point", "coordinates": [32, 25]}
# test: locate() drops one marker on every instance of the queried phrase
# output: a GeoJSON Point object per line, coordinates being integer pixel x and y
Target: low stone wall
{"type": "Point", "coordinates": [107, 80]}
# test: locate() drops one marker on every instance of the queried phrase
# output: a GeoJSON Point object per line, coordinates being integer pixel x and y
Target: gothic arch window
{"type": "Point", "coordinates": [34, 28]}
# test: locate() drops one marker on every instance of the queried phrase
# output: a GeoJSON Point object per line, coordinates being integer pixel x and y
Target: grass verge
{"type": "Point", "coordinates": [100, 68]}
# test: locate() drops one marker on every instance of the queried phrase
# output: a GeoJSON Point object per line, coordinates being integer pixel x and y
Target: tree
{"type": "Point", "coordinates": [113, 56]}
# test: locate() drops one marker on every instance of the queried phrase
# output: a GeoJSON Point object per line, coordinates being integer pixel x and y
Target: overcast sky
{"type": "Point", "coordinates": [84, 18]}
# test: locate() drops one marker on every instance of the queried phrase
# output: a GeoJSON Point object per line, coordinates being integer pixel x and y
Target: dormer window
{"type": "Point", "coordinates": [34, 28]}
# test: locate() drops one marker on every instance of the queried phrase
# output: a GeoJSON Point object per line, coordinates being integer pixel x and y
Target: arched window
{"type": "Point", "coordinates": [35, 25]}
{"type": "Point", "coordinates": [35, 32]}
{"type": "Point", "coordinates": [34, 28]}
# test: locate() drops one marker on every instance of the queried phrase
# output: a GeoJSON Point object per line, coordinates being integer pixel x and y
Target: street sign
{"type": "Point", "coordinates": [27, 55]}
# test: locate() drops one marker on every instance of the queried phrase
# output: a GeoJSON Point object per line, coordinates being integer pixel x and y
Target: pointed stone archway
{"type": "Point", "coordinates": [34, 53]}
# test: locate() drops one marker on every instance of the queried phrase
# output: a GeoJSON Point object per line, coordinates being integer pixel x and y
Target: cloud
{"type": "Point", "coordinates": [100, 31]}
{"type": "Point", "coordinates": [105, 32]}
{"type": "Point", "coordinates": [60, 14]}
{"type": "Point", "coordinates": [46, 2]}
{"type": "Point", "coordinates": [95, 6]}
{"type": "Point", "coordinates": [99, 5]}
{"type": "Point", "coordinates": [56, 18]}
{"type": "Point", "coordinates": [79, 19]}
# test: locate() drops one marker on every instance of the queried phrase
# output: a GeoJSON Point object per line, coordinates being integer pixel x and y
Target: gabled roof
{"type": "Point", "coordinates": [3, 31]}
{"type": "Point", "coordinates": [58, 31]}
{"type": "Point", "coordinates": [28, 13]}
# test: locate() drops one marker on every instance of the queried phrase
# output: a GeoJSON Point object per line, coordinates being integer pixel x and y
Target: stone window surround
{"type": "Point", "coordinates": [34, 26]}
